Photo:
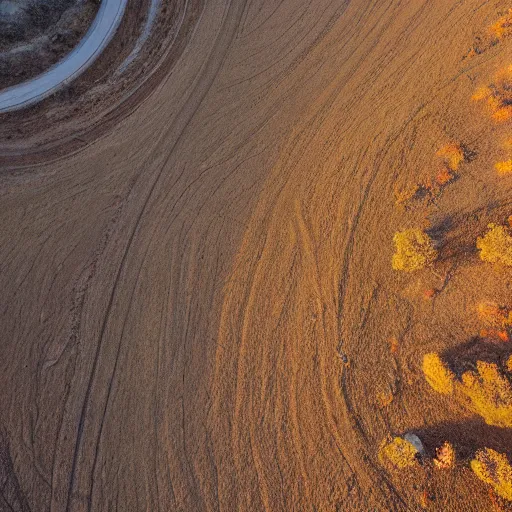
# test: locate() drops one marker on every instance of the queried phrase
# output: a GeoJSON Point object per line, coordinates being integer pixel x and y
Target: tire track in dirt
{"type": "Point", "coordinates": [227, 34]}
{"type": "Point", "coordinates": [180, 295]}
{"type": "Point", "coordinates": [360, 442]}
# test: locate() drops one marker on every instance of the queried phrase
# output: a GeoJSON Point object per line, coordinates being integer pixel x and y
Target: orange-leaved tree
{"type": "Point", "coordinates": [452, 154]}
{"type": "Point", "coordinates": [489, 393]}
{"type": "Point", "coordinates": [498, 95]}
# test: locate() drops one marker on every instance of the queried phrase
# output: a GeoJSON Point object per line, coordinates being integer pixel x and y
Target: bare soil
{"type": "Point", "coordinates": [195, 262]}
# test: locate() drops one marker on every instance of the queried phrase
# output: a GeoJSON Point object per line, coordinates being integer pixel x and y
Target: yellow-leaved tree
{"type": "Point", "coordinates": [486, 391]}
{"type": "Point", "coordinates": [494, 469]}
{"type": "Point", "coordinates": [399, 452]}
{"type": "Point", "coordinates": [496, 245]}
{"type": "Point", "coordinates": [414, 250]}
{"type": "Point", "coordinates": [490, 393]}
{"type": "Point", "coordinates": [437, 374]}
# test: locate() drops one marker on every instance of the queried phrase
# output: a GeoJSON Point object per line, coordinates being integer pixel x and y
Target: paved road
{"type": "Point", "coordinates": [96, 39]}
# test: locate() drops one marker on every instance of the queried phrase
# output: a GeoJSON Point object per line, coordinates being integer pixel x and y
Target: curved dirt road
{"type": "Point", "coordinates": [72, 65]}
{"type": "Point", "coordinates": [196, 307]}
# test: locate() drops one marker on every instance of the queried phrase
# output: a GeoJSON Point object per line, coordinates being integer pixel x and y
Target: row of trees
{"type": "Point", "coordinates": [484, 388]}
{"type": "Point", "coordinates": [415, 249]}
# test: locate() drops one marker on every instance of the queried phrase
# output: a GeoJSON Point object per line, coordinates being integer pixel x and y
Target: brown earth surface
{"type": "Point", "coordinates": [195, 260]}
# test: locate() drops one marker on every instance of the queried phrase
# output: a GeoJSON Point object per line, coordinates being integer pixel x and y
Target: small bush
{"type": "Point", "coordinates": [504, 167]}
{"type": "Point", "coordinates": [496, 245]}
{"type": "Point", "coordinates": [445, 456]}
{"type": "Point", "coordinates": [502, 114]}
{"type": "Point", "coordinates": [444, 176]}
{"type": "Point", "coordinates": [452, 154]}
{"type": "Point", "coordinates": [437, 374]}
{"type": "Point", "coordinates": [503, 27]}
{"type": "Point", "coordinates": [404, 195]}
{"type": "Point", "coordinates": [394, 345]}
{"type": "Point", "coordinates": [498, 95]}
{"type": "Point", "coordinates": [429, 293]}
{"type": "Point", "coordinates": [414, 250]}
{"type": "Point", "coordinates": [482, 93]}
{"type": "Point", "coordinates": [399, 452]}
{"type": "Point", "coordinates": [495, 334]}
{"type": "Point", "coordinates": [494, 469]}
{"type": "Point", "coordinates": [489, 393]}
{"type": "Point", "coordinates": [494, 315]}
{"type": "Point", "coordinates": [384, 399]}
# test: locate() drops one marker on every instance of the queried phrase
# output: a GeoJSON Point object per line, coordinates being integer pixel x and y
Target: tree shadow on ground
{"type": "Point", "coordinates": [464, 357]}
{"type": "Point", "coordinates": [467, 437]}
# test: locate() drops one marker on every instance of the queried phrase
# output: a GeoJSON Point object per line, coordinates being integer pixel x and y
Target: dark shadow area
{"type": "Point", "coordinates": [22, 19]}
{"type": "Point", "coordinates": [455, 237]}
{"type": "Point", "coordinates": [11, 495]}
{"type": "Point", "coordinates": [469, 154]}
{"type": "Point", "coordinates": [464, 357]}
{"type": "Point", "coordinates": [466, 437]}
{"type": "Point", "coordinates": [439, 230]}
{"type": "Point", "coordinates": [35, 34]}
{"type": "Point", "coordinates": [455, 234]}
